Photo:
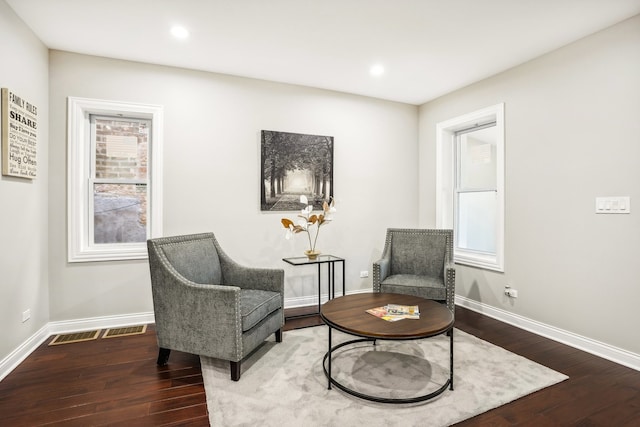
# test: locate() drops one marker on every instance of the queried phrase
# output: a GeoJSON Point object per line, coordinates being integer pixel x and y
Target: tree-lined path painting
{"type": "Point", "coordinates": [294, 164]}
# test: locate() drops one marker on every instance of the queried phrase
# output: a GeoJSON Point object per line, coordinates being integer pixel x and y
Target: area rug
{"type": "Point", "coordinates": [283, 384]}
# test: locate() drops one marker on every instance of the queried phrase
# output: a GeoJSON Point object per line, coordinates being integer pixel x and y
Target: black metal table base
{"type": "Point", "coordinates": [332, 381]}
{"type": "Point", "coordinates": [330, 260]}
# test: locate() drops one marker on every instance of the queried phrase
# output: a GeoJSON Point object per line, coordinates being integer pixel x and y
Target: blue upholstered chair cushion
{"type": "Point", "coordinates": [183, 255]}
{"type": "Point", "coordinates": [256, 305]}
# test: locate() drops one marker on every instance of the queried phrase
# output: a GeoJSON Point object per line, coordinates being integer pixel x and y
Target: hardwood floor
{"type": "Point", "coordinates": [116, 382]}
{"type": "Point", "coordinates": [597, 393]}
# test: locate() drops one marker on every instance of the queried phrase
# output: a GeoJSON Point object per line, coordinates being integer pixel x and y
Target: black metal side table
{"type": "Point", "coordinates": [330, 260]}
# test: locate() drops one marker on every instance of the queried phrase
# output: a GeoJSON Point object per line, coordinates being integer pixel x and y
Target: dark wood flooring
{"type": "Point", "coordinates": [116, 382]}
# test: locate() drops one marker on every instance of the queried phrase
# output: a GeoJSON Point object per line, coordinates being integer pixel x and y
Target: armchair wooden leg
{"type": "Point", "coordinates": [163, 356]}
{"type": "Point", "coordinates": [279, 335]}
{"type": "Point", "coordinates": [235, 370]}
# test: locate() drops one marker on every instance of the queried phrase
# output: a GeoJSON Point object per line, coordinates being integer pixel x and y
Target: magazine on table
{"type": "Point", "coordinates": [395, 312]}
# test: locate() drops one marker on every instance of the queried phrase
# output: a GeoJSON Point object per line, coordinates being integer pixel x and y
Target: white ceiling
{"type": "Point", "coordinates": [428, 47]}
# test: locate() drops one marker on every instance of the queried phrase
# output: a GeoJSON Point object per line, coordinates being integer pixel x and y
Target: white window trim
{"type": "Point", "coordinates": [445, 182]}
{"type": "Point", "coordinates": [78, 131]}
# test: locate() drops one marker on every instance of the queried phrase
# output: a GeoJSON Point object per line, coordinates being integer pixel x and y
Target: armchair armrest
{"type": "Point", "coordinates": [380, 272]}
{"type": "Point", "coordinates": [450, 284]}
{"type": "Point", "coordinates": [382, 267]}
{"type": "Point", "coordinates": [197, 318]}
{"type": "Point", "coordinates": [267, 279]}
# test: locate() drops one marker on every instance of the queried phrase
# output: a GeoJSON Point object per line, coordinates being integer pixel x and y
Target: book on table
{"type": "Point", "coordinates": [395, 312]}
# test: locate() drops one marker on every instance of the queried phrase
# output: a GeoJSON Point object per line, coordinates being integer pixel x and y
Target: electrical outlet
{"type": "Point", "coordinates": [364, 274]}
{"type": "Point", "coordinates": [26, 315]}
{"type": "Point", "coordinates": [508, 291]}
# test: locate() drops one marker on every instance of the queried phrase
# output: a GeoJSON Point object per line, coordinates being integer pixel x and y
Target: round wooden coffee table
{"type": "Point", "coordinates": [348, 314]}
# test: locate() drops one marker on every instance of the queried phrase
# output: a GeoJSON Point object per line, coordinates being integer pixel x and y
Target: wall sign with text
{"type": "Point", "coordinates": [19, 135]}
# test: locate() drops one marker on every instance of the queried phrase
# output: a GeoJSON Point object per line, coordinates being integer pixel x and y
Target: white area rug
{"type": "Point", "coordinates": [284, 384]}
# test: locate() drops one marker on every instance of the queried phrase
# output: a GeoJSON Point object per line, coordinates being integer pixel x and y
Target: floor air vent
{"type": "Point", "coordinates": [75, 337]}
{"type": "Point", "coordinates": [121, 332]}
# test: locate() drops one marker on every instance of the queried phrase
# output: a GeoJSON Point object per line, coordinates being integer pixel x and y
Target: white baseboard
{"type": "Point", "coordinates": [16, 357]}
{"type": "Point", "coordinates": [313, 299]}
{"type": "Point", "coordinates": [11, 361]}
{"type": "Point", "coordinates": [104, 322]}
{"type": "Point", "coordinates": [597, 348]}
{"type": "Point", "coordinates": [606, 351]}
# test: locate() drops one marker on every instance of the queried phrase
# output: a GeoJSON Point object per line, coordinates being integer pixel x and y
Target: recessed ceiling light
{"type": "Point", "coordinates": [179, 32]}
{"type": "Point", "coordinates": [377, 70]}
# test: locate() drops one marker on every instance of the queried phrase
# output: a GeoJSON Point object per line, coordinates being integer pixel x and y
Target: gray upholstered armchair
{"type": "Point", "coordinates": [417, 262]}
{"type": "Point", "coordinates": [207, 304]}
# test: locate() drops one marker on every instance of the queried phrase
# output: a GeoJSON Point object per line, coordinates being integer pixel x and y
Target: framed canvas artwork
{"type": "Point", "coordinates": [293, 164]}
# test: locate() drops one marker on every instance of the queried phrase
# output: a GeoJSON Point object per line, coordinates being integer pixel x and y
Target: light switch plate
{"type": "Point", "coordinates": [613, 205]}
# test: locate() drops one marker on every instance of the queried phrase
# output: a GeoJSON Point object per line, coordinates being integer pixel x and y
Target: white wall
{"type": "Point", "coordinates": [572, 133]}
{"type": "Point", "coordinates": [23, 203]}
{"type": "Point", "coordinates": [211, 174]}
{"type": "Point", "coordinates": [572, 126]}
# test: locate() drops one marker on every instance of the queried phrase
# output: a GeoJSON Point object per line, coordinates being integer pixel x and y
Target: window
{"type": "Point", "coordinates": [470, 185]}
{"type": "Point", "coordinates": [114, 182]}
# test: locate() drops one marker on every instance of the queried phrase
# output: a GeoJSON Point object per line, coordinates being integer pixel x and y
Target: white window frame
{"type": "Point", "coordinates": [445, 182]}
{"type": "Point", "coordinates": [79, 110]}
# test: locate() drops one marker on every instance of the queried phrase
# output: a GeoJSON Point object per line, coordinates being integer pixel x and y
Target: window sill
{"type": "Point", "coordinates": [485, 263]}
{"type": "Point", "coordinates": [109, 254]}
